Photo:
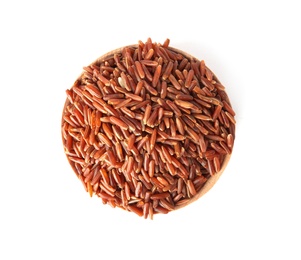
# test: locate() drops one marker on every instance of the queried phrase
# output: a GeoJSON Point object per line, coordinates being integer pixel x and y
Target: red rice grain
{"type": "Point", "coordinates": [145, 128]}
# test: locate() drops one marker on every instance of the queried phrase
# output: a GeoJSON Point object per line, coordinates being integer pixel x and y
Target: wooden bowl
{"type": "Point", "coordinates": [213, 178]}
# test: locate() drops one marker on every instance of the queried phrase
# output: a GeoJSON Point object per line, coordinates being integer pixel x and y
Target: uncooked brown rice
{"type": "Point", "coordinates": [146, 127]}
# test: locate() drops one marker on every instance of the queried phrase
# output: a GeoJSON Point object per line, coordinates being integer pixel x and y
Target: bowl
{"type": "Point", "coordinates": [148, 128]}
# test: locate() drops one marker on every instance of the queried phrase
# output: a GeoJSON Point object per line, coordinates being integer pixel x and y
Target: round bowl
{"type": "Point", "coordinates": [143, 210]}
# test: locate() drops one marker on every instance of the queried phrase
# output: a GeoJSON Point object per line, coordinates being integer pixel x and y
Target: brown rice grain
{"type": "Point", "coordinates": [191, 187]}
{"type": "Point", "coordinates": [156, 76]}
{"type": "Point", "coordinates": [160, 209]}
{"type": "Point", "coordinates": [163, 180]}
{"type": "Point", "coordinates": [150, 89]}
{"type": "Point", "coordinates": [116, 121]}
{"type": "Point", "coordinates": [163, 90]}
{"type": "Point", "coordinates": [174, 108]}
{"type": "Point", "coordinates": [168, 70]}
{"type": "Point", "coordinates": [147, 113]}
{"type": "Point", "coordinates": [166, 205]}
{"type": "Point", "coordinates": [149, 54]}
{"type": "Point", "coordinates": [228, 108]}
{"type": "Point", "coordinates": [152, 119]}
{"type": "Point", "coordinates": [136, 210]}
{"type": "Point", "coordinates": [230, 140]}
{"type": "Point", "coordinates": [174, 82]}
{"type": "Point", "coordinates": [218, 148]}
{"type": "Point", "coordinates": [139, 69]}
{"type": "Point", "coordinates": [216, 164]}
{"type": "Point", "coordinates": [225, 147]}
{"type": "Point", "coordinates": [142, 142]}
{"type": "Point", "coordinates": [189, 78]}
{"type": "Point", "coordinates": [230, 117]}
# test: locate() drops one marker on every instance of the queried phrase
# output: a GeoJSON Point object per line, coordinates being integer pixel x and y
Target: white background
{"type": "Point", "coordinates": [253, 212]}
